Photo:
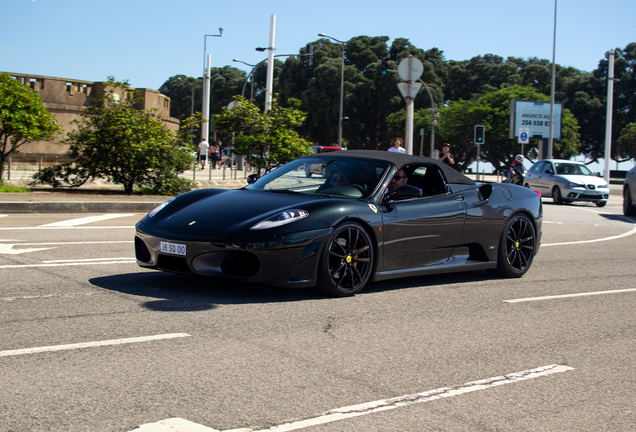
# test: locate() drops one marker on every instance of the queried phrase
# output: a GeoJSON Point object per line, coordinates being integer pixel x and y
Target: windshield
{"type": "Point", "coordinates": [324, 176]}
{"type": "Point", "coordinates": [565, 168]}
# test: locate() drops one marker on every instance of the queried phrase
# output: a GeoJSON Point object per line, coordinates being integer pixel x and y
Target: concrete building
{"type": "Point", "coordinates": [65, 99]}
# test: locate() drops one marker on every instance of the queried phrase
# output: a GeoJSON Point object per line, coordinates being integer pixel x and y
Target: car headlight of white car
{"type": "Point", "coordinates": [575, 185]}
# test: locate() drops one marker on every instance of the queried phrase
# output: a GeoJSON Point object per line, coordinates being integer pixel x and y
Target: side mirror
{"type": "Point", "coordinates": [252, 178]}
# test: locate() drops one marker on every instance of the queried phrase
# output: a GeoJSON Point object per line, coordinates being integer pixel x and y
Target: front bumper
{"type": "Point", "coordinates": [288, 260]}
{"type": "Point", "coordinates": [578, 194]}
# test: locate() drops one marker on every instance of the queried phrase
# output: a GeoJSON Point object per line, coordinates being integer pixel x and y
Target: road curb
{"type": "Point", "coordinates": [77, 207]}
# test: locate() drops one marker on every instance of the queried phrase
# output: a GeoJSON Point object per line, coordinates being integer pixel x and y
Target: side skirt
{"type": "Point", "coordinates": [456, 265]}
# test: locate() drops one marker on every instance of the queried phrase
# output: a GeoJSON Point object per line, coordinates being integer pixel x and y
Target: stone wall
{"type": "Point", "coordinates": [65, 99]}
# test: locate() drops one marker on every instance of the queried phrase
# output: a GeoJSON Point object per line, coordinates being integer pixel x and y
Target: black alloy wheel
{"type": "Point", "coordinates": [628, 204]}
{"type": "Point", "coordinates": [556, 195]}
{"type": "Point", "coordinates": [516, 247]}
{"type": "Point", "coordinates": [346, 262]}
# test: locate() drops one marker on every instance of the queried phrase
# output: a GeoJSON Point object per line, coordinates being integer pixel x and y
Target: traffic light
{"type": "Point", "coordinates": [385, 66]}
{"type": "Point", "coordinates": [480, 134]}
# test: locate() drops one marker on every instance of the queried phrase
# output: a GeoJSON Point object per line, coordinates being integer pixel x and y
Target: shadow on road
{"type": "Point", "coordinates": [170, 292]}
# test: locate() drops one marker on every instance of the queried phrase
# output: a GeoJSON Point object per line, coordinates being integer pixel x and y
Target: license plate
{"type": "Point", "coordinates": [172, 248]}
{"type": "Point", "coordinates": [591, 193]}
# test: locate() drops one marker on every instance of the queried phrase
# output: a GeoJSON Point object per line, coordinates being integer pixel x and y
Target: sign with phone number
{"type": "Point", "coordinates": [534, 115]}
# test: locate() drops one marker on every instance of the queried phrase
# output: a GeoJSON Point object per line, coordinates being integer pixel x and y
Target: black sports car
{"type": "Point", "coordinates": [340, 232]}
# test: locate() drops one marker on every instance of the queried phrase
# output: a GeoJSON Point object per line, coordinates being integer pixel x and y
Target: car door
{"type": "Point", "coordinates": [422, 231]}
{"type": "Point", "coordinates": [533, 175]}
{"type": "Point", "coordinates": [543, 181]}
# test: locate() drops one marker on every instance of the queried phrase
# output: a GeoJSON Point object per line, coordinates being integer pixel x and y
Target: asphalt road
{"type": "Point", "coordinates": [91, 342]}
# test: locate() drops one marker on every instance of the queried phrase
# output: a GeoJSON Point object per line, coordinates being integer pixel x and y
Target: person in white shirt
{"type": "Point", "coordinates": [203, 152]}
{"type": "Point", "coordinates": [396, 146]}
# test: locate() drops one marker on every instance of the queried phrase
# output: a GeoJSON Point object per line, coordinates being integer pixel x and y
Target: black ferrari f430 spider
{"type": "Point", "coordinates": [342, 231]}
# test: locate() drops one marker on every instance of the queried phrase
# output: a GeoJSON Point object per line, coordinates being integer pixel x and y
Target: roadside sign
{"type": "Point", "coordinates": [524, 136]}
{"type": "Point", "coordinates": [409, 90]}
{"type": "Point", "coordinates": [410, 69]}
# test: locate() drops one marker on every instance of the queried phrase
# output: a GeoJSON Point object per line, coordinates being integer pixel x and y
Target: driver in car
{"type": "Point", "coordinates": [399, 179]}
{"type": "Point", "coordinates": [340, 178]}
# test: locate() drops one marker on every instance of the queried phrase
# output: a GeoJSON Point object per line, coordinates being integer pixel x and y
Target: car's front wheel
{"type": "Point", "coordinates": [556, 195]}
{"type": "Point", "coordinates": [628, 204]}
{"type": "Point", "coordinates": [601, 203]}
{"type": "Point", "coordinates": [346, 262]}
{"type": "Point", "coordinates": [516, 247]}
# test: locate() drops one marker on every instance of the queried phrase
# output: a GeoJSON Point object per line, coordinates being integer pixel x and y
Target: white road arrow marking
{"type": "Point", "coordinates": [86, 220]}
{"type": "Point", "coordinates": [7, 249]}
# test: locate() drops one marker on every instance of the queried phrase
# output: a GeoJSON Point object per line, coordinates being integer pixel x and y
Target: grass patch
{"type": "Point", "coordinates": [9, 187]}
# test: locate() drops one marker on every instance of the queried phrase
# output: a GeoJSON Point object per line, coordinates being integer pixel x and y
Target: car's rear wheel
{"type": "Point", "coordinates": [556, 195]}
{"type": "Point", "coordinates": [628, 203]}
{"type": "Point", "coordinates": [516, 247]}
{"type": "Point", "coordinates": [346, 262]}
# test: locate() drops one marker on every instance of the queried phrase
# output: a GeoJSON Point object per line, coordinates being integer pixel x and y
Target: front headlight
{"type": "Point", "coordinates": [575, 185]}
{"type": "Point", "coordinates": [280, 219]}
{"type": "Point", "coordinates": [160, 206]}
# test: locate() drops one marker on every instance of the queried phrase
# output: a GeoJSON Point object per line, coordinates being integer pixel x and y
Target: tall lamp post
{"type": "Point", "coordinates": [205, 109]}
{"type": "Point", "coordinates": [340, 117]}
{"type": "Point", "coordinates": [248, 77]}
{"type": "Point", "coordinates": [251, 74]}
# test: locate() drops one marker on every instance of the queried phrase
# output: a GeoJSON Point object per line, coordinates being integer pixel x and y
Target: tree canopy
{"type": "Point", "coordinates": [374, 109]}
{"type": "Point", "coordinates": [268, 138]}
{"type": "Point", "coordinates": [23, 118]}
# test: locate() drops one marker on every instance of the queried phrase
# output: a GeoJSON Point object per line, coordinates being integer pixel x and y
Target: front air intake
{"type": "Point", "coordinates": [241, 264]}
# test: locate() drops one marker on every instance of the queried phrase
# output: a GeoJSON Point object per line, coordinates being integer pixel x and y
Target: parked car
{"type": "Point", "coordinates": [316, 168]}
{"type": "Point", "coordinates": [629, 193]}
{"type": "Point", "coordinates": [567, 181]}
{"type": "Point", "coordinates": [286, 229]}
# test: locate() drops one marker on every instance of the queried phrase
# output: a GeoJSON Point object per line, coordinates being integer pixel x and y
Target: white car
{"type": "Point", "coordinates": [566, 181]}
{"type": "Point", "coordinates": [629, 193]}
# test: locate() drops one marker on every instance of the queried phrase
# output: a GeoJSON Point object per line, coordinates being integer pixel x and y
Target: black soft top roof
{"type": "Point", "coordinates": [399, 160]}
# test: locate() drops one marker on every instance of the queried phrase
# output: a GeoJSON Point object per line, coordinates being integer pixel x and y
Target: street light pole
{"type": "Point", "coordinates": [433, 120]}
{"type": "Point", "coordinates": [248, 77]}
{"type": "Point", "coordinates": [205, 131]}
{"type": "Point", "coordinates": [258, 64]}
{"type": "Point", "coordinates": [340, 117]}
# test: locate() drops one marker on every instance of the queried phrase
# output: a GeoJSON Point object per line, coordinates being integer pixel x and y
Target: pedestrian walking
{"type": "Point", "coordinates": [203, 152]}
{"type": "Point", "coordinates": [214, 153]}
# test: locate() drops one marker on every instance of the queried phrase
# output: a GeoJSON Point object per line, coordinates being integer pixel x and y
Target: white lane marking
{"type": "Point", "coordinates": [7, 249]}
{"type": "Point", "coordinates": [88, 260]}
{"type": "Point", "coordinates": [174, 424]}
{"type": "Point", "coordinates": [86, 220]}
{"type": "Point", "coordinates": [45, 296]}
{"type": "Point", "coordinates": [128, 261]}
{"type": "Point", "coordinates": [64, 227]}
{"type": "Point", "coordinates": [74, 243]}
{"type": "Point", "coordinates": [82, 345]}
{"type": "Point", "coordinates": [583, 294]}
{"type": "Point", "coordinates": [4, 215]}
{"type": "Point", "coordinates": [628, 233]}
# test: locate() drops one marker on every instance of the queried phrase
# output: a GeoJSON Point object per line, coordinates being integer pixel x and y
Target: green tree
{"type": "Point", "coordinates": [127, 146]}
{"type": "Point", "coordinates": [267, 138]}
{"type": "Point", "coordinates": [493, 111]}
{"type": "Point", "coordinates": [626, 144]}
{"type": "Point", "coordinates": [23, 118]}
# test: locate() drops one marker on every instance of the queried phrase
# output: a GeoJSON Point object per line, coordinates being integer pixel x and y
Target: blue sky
{"type": "Point", "coordinates": [146, 42]}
